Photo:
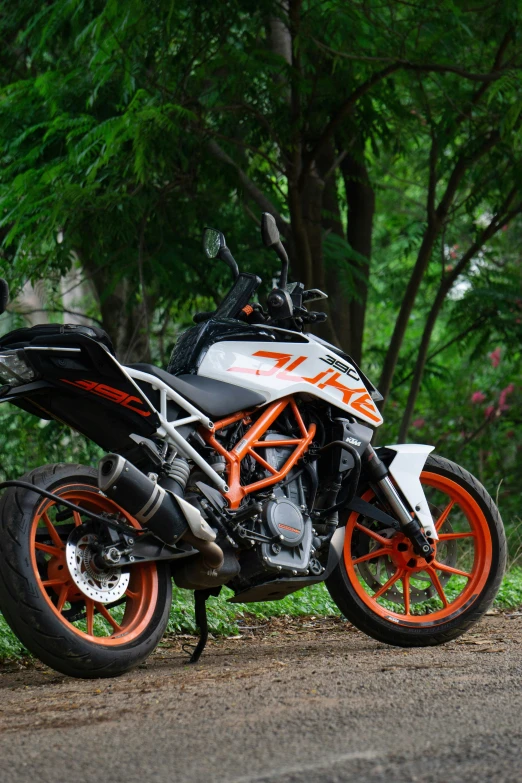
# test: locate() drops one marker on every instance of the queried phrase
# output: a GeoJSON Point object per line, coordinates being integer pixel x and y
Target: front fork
{"type": "Point", "coordinates": [380, 479]}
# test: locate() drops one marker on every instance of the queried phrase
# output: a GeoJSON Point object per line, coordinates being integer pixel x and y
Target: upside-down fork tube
{"type": "Point", "coordinates": [406, 476]}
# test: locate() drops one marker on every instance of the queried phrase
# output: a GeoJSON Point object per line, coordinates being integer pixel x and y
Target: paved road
{"type": "Point", "coordinates": [321, 703]}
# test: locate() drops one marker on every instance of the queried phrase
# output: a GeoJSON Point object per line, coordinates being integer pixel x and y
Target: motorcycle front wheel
{"type": "Point", "coordinates": [399, 598]}
{"type": "Point", "coordinates": [96, 625]}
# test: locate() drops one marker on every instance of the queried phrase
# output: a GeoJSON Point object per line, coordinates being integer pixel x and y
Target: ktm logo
{"type": "Point", "coordinates": [287, 527]}
{"type": "Point", "coordinates": [108, 393]}
{"type": "Point", "coordinates": [285, 364]}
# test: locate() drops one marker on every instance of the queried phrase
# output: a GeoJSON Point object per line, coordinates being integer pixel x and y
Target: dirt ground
{"type": "Point", "coordinates": [310, 700]}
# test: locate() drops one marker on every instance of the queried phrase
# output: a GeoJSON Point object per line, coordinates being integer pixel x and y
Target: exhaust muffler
{"type": "Point", "coordinates": [165, 513]}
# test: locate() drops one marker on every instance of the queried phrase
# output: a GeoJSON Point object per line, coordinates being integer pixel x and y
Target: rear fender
{"type": "Point", "coordinates": [406, 468]}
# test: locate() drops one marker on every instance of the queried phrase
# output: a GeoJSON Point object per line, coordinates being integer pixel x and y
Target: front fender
{"type": "Point", "coordinates": [405, 468]}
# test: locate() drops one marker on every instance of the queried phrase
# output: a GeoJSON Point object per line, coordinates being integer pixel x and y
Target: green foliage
{"type": "Point", "coordinates": [28, 442]}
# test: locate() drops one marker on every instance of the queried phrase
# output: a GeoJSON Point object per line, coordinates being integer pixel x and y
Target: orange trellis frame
{"type": "Point", "coordinates": [251, 441]}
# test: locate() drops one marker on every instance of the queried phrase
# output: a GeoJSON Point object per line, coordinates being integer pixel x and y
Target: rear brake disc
{"type": "Point", "coordinates": [102, 585]}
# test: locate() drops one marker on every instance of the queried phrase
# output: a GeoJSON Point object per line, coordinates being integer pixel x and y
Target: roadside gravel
{"type": "Point", "coordinates": [310, 700]}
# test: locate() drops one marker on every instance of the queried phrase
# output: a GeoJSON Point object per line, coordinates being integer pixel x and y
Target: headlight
{"type": "Point", "coordinates": [14, 369]}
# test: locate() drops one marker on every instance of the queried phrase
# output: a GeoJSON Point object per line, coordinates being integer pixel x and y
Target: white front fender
{"type": "Point", "coordinates": [405, 469]}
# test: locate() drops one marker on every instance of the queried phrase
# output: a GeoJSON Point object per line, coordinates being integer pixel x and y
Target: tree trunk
{"type": "Point", "coordinates": [124, 320]}
{"type": "Point", "coordinates": [360, 199]}
{"type": "Point", "coordinates": [406, 308]}
{"type": "Point", "coordinates": [503, 214]}
{"type": "Point", "coordinates": [312, 200]}
{"type": "Point", "coordinates": [420, 365]}
{"type": "Point", "coordinates": [337, 305]}
{"type": "Point", "coordinates": [436, 218]}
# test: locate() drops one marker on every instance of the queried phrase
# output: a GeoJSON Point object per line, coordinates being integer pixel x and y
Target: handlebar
{"type": "Point", "coordinates": [199, 318]}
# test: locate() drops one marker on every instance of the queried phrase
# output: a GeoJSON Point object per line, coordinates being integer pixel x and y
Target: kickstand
{"type": "Point", "coordinates": [200, 603]}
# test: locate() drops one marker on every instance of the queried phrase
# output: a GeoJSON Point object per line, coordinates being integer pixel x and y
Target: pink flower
{"type": "Point", "coordinates": [477, 397]}
{"type": "Point", "coordinates": [503, 395]}
{"type": "Point", "coordinates": [490, 410]}
{"type": "Point", "coordinates": [495, 356]}
{"type": "Point", "coordinates": [418, 423]}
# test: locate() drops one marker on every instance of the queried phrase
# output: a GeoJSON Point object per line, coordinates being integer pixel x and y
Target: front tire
{"type": "Point", "coordinates": [388, 592]}
{"type": "Point", "coordinates": [56, 621]}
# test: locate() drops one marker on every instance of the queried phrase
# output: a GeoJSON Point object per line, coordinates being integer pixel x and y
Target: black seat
{"type": "Point", "coordinates": [215, 398]}
{"type": "Point", "coordinates": [26, 335]}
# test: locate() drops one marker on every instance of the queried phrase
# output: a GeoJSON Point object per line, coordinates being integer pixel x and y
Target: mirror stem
{"type": "Point", "coordinates": [226, 256]}
{"type": "Point", "coordinates": [281, 252]}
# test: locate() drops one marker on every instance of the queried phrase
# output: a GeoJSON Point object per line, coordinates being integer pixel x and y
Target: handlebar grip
{"type": "Point", "coordinates": [198, 318]}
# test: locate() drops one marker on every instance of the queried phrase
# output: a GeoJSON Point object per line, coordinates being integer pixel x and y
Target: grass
{"type": "Point", "coordinates": [226, 619]}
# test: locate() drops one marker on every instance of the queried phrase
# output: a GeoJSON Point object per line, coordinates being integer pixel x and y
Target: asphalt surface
{"type": "Point", "coordinates": [315, 701]}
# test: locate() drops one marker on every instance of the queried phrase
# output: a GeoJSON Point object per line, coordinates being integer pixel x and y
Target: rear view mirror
{"type": "Point", "coordinates": [4, 295]}
{"type": "Point", "coordinates": [269, 230]}
{"type": "Point", "coordinates": [215, 246]}
{"type": "Point", "coordinates": [213, 242]}
{"type": "Point", "coordinates": [271, 238]}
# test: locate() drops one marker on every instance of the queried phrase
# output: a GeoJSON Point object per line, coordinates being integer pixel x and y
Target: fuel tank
{"type": "Point", "coordinates": [301, 365]}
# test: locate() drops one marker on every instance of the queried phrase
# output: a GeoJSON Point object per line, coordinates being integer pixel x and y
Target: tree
{"type": "Point", "coordinates": [292, 101]}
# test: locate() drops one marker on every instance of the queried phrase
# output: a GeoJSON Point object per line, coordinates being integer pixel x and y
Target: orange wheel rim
{"type": "Point", "coordinates": [106, 625]}
{"type": "Point", "coordinates": [392, 581]}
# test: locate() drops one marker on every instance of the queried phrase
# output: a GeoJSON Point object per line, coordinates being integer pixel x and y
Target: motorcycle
{"type": "Point", "coordinates": [247, 463]}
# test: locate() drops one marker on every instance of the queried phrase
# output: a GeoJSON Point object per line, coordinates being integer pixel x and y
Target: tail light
{"type": "Point", "coordinates": [14, 368]}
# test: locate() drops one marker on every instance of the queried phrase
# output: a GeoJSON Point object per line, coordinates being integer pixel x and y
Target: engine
{"type": "Point", "coordinates": [282, 535]}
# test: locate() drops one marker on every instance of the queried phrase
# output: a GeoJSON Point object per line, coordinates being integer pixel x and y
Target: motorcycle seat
{"type": "Point", "coordinates": [214, 398]}
{"type": "Point", "coordinates": [26, 335]}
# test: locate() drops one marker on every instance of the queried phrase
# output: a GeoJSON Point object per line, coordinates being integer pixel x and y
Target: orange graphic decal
{"type": "Point", "coordinates": [286, 375]}
{"type": "Point", "coordinates": [359, 399]}
{"type": "Point", "coordinates": [318, 377]}
{"type": "Point", "coordinates": [362, 404]}
{"type": "Point", "coordinates": [109, 393]}
{"type": "Point", "coordinates": [346, 392]}
{"type": "Point", "coordinates": [281, 360]}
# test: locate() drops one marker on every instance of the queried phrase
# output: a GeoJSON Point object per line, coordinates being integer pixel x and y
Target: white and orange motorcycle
{"type": "Point", "coordinates": [247, 463]}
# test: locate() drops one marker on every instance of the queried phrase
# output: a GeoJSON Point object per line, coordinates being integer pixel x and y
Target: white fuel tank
{"type": "Point", "coordinates": [282, 368]}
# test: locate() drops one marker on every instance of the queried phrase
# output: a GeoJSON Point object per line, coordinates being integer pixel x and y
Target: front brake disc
{"type": "Point", "coordinates": [377, 572]}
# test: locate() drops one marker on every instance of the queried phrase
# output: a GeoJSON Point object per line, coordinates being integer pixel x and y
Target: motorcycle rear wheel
{"type": "Point", "coordinates": [394, 596]}
{"type": "Point", "coordinates": [55, 620]}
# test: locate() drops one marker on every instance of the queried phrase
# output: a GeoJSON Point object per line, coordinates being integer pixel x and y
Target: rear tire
{"type": "Point", "coordinates": [414, 610]}
{"type": "Point", "coordinates": [55, 621]}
